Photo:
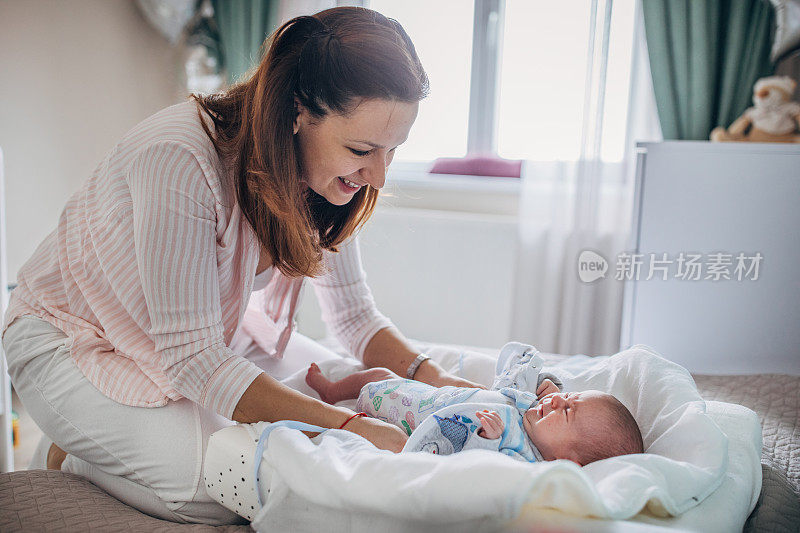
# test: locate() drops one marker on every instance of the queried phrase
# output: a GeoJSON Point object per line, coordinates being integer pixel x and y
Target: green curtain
{"type": "Point", "coordinates": [705, 57]}
{"type": "Point", "coordinates": [242, 26]}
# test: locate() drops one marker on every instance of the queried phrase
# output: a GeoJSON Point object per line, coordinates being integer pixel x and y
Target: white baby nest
{"type": "Point", "coordinates": [341, 482]}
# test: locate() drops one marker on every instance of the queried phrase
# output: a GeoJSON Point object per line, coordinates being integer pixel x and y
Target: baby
{"type": "Point", "coordinates": [581, 426]}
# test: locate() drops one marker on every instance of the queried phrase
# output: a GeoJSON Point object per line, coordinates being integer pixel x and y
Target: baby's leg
{"type": "Point", "coordinates": [347, 388]}
{"type": "Point", "coordinates": [399, 401]}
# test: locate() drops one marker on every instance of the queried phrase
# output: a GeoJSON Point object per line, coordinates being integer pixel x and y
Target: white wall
{"type": "Point", "coordinates": [74, 77]}
{"type": "Point", "coordinates": [440, 257]}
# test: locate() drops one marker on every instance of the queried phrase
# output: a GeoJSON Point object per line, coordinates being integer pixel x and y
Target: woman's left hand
{"type": "Point", "coordinates": [431, 373]}
{"type": "Point", "coordinates": [455, 381]}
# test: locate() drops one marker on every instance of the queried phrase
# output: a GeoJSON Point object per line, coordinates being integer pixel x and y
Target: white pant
{"type": "Point", "coordinates": [149, 458]}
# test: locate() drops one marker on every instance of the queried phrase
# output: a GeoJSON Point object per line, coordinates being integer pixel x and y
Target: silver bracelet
{"type": "Point", "coordinates": [412, 369]}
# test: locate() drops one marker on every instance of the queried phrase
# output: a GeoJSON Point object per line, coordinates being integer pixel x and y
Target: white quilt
{"type": "Point", "coordinates": [342, 482]}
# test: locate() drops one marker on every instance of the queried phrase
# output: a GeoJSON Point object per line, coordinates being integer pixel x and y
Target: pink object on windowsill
{"type": "Point", "coordinates": [478, 166]}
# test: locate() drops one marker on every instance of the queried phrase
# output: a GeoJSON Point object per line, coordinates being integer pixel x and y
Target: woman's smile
{"type": "Point", "coordinates": [332, 152]}
{"type": "Point", "coordinates": [347, 186]}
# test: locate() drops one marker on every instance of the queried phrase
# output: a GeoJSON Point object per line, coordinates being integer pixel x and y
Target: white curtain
{"type": "Point", "coordinates": [570, 206]}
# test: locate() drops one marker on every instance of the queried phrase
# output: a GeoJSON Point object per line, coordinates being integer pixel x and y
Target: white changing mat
{"type": "Point", "coordinates": [341, 482]}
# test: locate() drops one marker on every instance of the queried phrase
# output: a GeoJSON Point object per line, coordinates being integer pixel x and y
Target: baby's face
{"type": "Point", "coordinates": [559, 420]}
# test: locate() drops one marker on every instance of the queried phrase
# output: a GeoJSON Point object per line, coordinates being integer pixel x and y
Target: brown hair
{"type": "Point", "coordinates": [330, 62]}
{"type": "Point", "coordinates": [621, 436]}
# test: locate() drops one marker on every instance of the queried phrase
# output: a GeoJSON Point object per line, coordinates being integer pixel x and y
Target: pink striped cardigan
{"type": "Point", "coordinates": [150, 273]}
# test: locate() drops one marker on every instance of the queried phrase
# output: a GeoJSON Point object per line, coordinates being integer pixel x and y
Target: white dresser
{"type": "Point", "coordinates": [707, 198]}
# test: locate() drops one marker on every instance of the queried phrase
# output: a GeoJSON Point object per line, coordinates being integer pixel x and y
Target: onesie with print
{"type": "Point", "coordinates": [442, 420]}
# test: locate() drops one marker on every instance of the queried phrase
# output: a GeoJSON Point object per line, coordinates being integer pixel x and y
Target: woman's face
{"type": "Point", "coordinates": [342, 153]}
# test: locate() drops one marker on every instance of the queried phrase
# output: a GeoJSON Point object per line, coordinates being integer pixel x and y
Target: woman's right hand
{"type": "Point", "coordinates": [382, 434]}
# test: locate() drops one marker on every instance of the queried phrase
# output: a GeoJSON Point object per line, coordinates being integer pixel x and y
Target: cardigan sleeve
{"type": "Point", "coordinates": [174, 232]}
{"type": "Point", "coordinates": [348, 308]}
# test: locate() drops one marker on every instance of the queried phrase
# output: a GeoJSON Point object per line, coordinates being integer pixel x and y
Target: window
{"type": "Point", "coordinates": [442, 34]}
{"type": "Point", "coordinates": [528, 65]}
{"type": "Point", "coordinates": [543, 71]}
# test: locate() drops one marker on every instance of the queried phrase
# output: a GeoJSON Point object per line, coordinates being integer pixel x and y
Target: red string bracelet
{"type": "Point", "coordinates": [352, 417]}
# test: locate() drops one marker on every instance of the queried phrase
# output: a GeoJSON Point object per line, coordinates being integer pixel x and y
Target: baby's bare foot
{"type": "Point", "coordinates": [319, 383]}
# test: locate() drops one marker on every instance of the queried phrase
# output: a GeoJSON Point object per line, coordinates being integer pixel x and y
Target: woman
{"type": "Point", "coordinates": [119, 333]}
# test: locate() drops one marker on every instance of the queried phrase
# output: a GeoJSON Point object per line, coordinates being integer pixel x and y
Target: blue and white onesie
{"type": "Point", "coordinates": [442, 420]}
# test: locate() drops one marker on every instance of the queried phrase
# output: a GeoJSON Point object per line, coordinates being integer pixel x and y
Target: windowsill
{"type": "Point", "coordinates": [411, 186]}
{"type": "Point", "coordinates": [422, 179]}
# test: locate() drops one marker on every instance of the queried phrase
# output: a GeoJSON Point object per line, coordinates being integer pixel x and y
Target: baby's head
{"type": "Point", "coordinates": [582, 426]}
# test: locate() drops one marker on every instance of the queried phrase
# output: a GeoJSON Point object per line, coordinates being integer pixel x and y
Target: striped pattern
{"type": "Point", "coordinates": [151, 270]}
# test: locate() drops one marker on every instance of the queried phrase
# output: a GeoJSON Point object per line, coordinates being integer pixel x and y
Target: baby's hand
{"type": "Point", "coordinates": [492, 424]}
{"type": "Point", "coordinates": [547, 387]}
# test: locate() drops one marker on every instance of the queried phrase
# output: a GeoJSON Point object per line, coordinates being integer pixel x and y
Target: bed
{"type": "Point", "coordinates": [60, 501]}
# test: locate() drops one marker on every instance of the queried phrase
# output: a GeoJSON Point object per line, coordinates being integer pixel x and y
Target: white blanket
{"type": "Point", "coordinates": [354, 485]}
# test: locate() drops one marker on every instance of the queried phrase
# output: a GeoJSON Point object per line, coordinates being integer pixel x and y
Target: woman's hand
{"type": "Point", "coordinates": [390, 349]}
{"type": "Point", "coordinates": [431, 373]}
{"type": "Point", "coordinates": [382, 434]}
{"type": "Point", "coordinates": [455, 381]}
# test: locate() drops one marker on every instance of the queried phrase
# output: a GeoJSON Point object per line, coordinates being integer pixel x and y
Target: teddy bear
{"type": "Point", "coordinates": [775, 117]}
